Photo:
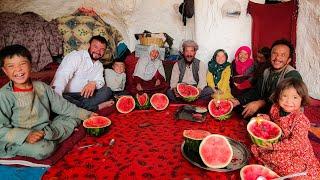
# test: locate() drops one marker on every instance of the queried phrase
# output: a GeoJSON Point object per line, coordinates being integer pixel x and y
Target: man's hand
{"type": "Point", "coordinates": [176, 92]}
{"type": "Point", "coordinates": [35, 136]}
{"type": "Point", "coordinates": [157, 82]}
{"type": "Point", "coordinates": [89, 89]}
{"type": "Point", "coordinates": [94, 114]}
{"type": "Point", "coordinates": [252, 107]}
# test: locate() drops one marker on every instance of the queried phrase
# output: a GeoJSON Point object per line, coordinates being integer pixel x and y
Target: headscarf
{"type": "Point", "coordinates": [146, 68]}
{"type": "Point", "coordinates": [215, 68]}
{"type": "Point", "coordinates": [242, 67]}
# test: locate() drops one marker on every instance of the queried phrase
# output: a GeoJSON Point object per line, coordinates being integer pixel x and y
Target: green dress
{"type": "Point", "coordinates": [23, 112]}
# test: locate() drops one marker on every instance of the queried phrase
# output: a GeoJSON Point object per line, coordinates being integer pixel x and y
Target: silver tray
{"type": "Point", "coordinates": [240, 157]}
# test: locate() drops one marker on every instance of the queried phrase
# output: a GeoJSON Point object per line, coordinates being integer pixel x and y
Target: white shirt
{"type": "Point", "coordinates": [188, 76]}
{"type": "Point", "coordinates": [75, 71]}
{"type": "Point", "coordinates": [114, 80]}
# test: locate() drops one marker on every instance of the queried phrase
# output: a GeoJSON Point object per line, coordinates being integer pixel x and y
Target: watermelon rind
{"type": "Point", "coordinates": [203, 156]}
{"type": "Point", "coordinates": [221, 117]}
{"type": "Point", "coordinates": [154, 105]}
{"type": "Point", "coordinates": [97, 131]}
{"type": "Point", "coordinates": [192, 143]}
{"type": "Point", "coordinates": [261, 141]}
{"type": "Point", "coordinates": [187, 98]}
{"type": "Point", "coordinates": [126, 97]}
{"type": "Point", "coordinates": [253, 171]}
{"type": "Point", "coordinates": [143, 106]}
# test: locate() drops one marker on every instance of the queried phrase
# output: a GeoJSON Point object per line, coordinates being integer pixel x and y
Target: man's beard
{"type": "Point", "coordinates": [187, 61]}
{"type": "Point", "coordinates": [95, 59]}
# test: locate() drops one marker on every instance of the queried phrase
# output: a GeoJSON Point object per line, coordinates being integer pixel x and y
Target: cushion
{"type": "Point", "coordinates": [62, 149]}
{"type": "Point", "coordinates": [78, 29]}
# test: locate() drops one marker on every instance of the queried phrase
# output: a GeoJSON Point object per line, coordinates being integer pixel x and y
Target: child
{"type": "Point", "coordinates": [242, 71]}
{"type": "Point", "coordinates": [294, 152]}
{"type": "Point", "coordinates": [218, 76]}
{"type": "Point", "coordinates": [149, 75]}
{"type": "Point", "coordinates": [116, 77]}
{"type": "Point", "coordinates": [25, 128]}
{"type": "Point", "coordinates": [262, 62]}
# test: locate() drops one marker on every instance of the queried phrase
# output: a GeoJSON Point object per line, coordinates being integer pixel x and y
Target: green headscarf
{"type": "Point", "coordinates": [215, 68]}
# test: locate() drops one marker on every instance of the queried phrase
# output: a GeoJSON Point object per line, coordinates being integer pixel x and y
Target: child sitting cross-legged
{"type": "Point", "coordinates": [293, 153]}
{"type": "Point", "coordinates": [25, 108]}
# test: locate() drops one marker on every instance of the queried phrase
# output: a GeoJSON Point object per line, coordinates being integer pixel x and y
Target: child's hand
{"type": "Point", "coordinates": [268, 146]}
{"type": "Point", "coordinates": [94, 114]}
{"type": "Point", "coordinates": [35, 136]}
{"type": "Point", "coordinates": [139, 87]}
{"type": "Point", "coordinates": [157, 82]}
{"type": "Point", "coordinates": [264, 116]}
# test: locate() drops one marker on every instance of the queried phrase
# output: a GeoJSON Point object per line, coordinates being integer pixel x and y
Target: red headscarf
{"type": "Point", "coordinates": [242, 67]}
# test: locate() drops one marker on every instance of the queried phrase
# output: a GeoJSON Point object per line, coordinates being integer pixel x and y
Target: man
{"type": "Point", "coordinates": [258, 98]}
{"type": "Point", "coordinates": [189, 70]}
{"type": "Point", "coordinates": [79, 78]}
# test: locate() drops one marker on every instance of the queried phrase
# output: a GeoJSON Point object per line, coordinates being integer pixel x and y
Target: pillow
{"type": "Point", "coordinates": [78, 29]}
{"type": "Point", "coordinates": [62, 149]}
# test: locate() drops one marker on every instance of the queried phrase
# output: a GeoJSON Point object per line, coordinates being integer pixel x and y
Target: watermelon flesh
{"type": "Point", "coordinates": [253, 171]}
{"type": "Point", "coordinates": [125, 104]}
{"type": "Point", "coordinates": [187, 92]}
{"type": "Point", "coordinates": [221, 110]}
{"type": "Point", "coordinates": [96, 125]}
{"type": "Point", "coordinates": [193, 139]}
{"type": "Point", "coordinates": [159, 101]}
{"type": "Point", "coordinates": [215, 151]}
{"type": "Point", "coordinates": [264, 130]}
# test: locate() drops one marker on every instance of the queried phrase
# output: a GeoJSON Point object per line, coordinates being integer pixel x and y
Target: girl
{"type": "Point", "coordinates": [294, 152]}
{"type": "Point", "coordinates": [218, 76]}
{"type": "Point", "coordinates": [261, 63]}
{"type": "Point", "coordinates": [242, 71]}
{"type": "Point", "coordinates": [149, 75]}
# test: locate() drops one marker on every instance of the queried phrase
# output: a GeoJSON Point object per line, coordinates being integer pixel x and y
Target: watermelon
{"type": "Point", "coordinates": [142, 101]}
{"type": "Point", "coordinates": [96, 125]}
{"type": "Point", "coordinates": [159, 101]}
{"type": "Point", "coordinates": [263, 132]}
{"type": "Point", "coordinates": [188, 92]}
{"type": "Point", "coordinates": [193, 139]}
{"type": "Point", "coordinates": [215, 151]}
{"type": "Point", "coordinates": [125, 104]}
{"type": "Point", "coordinates": [253, 171]}
{"type": "Point", "coordinates": [220, 110]}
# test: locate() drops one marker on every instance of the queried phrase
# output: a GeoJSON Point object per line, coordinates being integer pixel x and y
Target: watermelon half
{"type": "Point", "coordinates": [96, 125]}
{"type": "Point", "coordinates": [263, 132]}
{"type": "Point", "coordinates": [159, 101]}
{"type": "Point", "coordinates": [142, 101]}
{"type": "Point", "coordinates": [221, 110]}
{"type": "Point", "coordinates": [125, 104]}
{"type": "Point", "coordinates": [188, 92]}
{"type": "Point", "coordinates": [193, 139]}
{"type": "Point", "coordinates": [253, 171]}
{"type": "Point", "coordinates": [215, 151]}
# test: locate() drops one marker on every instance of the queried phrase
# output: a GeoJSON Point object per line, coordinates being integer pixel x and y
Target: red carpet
{"type": "Point", "coordinates": [148, 152]}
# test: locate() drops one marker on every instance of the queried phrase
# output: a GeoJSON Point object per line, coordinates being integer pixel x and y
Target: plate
{"type": "Point", "coordinates": [240, 157]}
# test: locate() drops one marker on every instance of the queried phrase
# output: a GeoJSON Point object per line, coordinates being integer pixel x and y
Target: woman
{"type": "Point", "coordinates": [149, 75]}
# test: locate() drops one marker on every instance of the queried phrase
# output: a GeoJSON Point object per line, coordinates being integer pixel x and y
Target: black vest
{"type": "Point", "coordinates": [195, 69]}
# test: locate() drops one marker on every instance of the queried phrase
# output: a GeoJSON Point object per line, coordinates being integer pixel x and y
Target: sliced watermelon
{"type": "Point", "coordinates": [253, 171]}
{"type": "Point", "coordinates": [221, 110]}
{"type": "Point", "coordinates": [263, 132]}
{"type": "Point", "coordinates": [125, 104]}
{"type": "Point", "coordinates": [188, 92]}
{"type": "Point", "coordinates": [193, 139]}
{"type": "Point", "coordinates": [142, 101]}
{"type": "Point", "coordinates": [159, 101]}
{"type": "Point", "coordinates": [215, 151]}
{"type": "Point", "coordinates": [96, 125]}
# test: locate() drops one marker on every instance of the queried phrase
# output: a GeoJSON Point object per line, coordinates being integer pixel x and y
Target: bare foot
{"type": "Point", "coordinates": [105, 104]}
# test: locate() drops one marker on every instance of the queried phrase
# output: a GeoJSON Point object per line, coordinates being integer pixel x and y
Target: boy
{"type": "Point", "coordinates": [25, 128]}
{"type": "Point", "coordinates": [116, 77]}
